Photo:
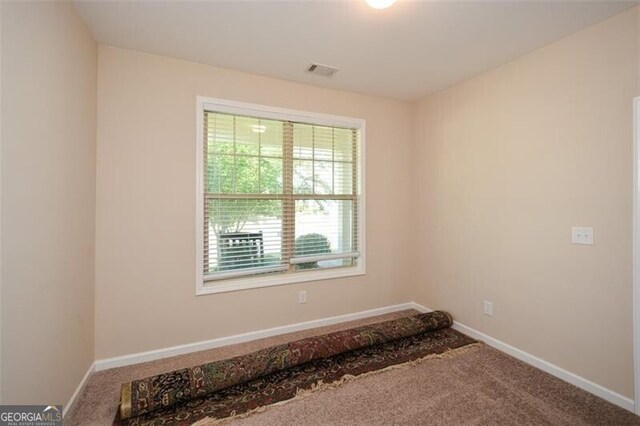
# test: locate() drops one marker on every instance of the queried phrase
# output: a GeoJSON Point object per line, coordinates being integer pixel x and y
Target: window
{"type": "Point", "coordinates": [279, 198]}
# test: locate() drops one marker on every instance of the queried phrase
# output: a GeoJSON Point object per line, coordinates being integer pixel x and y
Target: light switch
{"type": "Point", "coordinates": [582, 235]}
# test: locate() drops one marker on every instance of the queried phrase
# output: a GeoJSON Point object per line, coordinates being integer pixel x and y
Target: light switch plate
{"type": "Point", "coordinates": [582, 235]}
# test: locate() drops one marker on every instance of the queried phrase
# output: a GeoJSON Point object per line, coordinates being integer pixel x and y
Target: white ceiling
{"type": "Point", "coordinates": [405, 52]}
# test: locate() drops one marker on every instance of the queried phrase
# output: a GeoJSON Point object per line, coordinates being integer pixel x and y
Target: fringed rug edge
{"type": "Point", "coordinates": [321, 386]}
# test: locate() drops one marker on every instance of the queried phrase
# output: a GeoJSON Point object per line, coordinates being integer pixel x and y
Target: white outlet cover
{"type": "Point", "coordinates": [488, 308]}
{"type": "Point", "coordinates": [582, 235]}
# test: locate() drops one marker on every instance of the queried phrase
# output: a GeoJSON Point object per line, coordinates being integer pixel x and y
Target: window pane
{"type": "Point", "coordinates": [343, 178]}
{"type": "Point", "coordinates": [271, 176]}
{"type": "Point", "coordinates": [331, 152]}
{"type": "Point", "coordinates": [242, 233]}
{"type": "Point", "coordinates": [323, 177]}
{"type": "Point", "coordinates": [324, 226]}
{"type": "Point", "coordinates": [247, 135]}
{"type": "Point", "coordinates": [322, 143]}
{"type": "Point", "coordinates": [247, 175]}
{"type": "Point", "coordinates": [233, 155]}
{"type": "Point", "coordinates": [343, 145]}
{"type": "Point", "coordinates": [302, 177]}
{"type": "Point", "coordinates": [302, 141]}
{"type": "Point", "coordinates": [271, 138]}
{"type": "Point", "coordinates": [220, 133]}
{"type": "Point", "coordinates": [220, 174]}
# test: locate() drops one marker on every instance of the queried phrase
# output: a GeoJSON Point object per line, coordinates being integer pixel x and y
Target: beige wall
{"type": "Point", "coordinates": [49, 68]}
{"type": "Point", "coordinates": [507, 163]}
{"type": "Point", "coordinates": [1, 388]}
{"type": "Point", "coordinates": [145, 239]}
{"type": "Point", "coordinates": [503, 165]}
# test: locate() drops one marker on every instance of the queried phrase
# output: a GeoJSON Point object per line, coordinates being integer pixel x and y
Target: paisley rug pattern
{"type": "Point", "coordinates": [284, 384]}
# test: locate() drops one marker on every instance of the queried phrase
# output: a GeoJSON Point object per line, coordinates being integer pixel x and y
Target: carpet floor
{"type": "Point", "coordinates": [480, 386]}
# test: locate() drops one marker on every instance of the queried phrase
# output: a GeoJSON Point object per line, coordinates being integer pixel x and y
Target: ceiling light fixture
{"type": "Point", "coordinates": [259, 128]}
{"type": "Point", "coordinates": [380, 4]}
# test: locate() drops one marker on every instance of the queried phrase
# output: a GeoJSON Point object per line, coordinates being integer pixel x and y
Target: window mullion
{"type": "Point", "coordinates": [235, 156]}
{"type": "Point", "coordinates": [259, 158]}
{"type": "Point", "coordinates": [313, 159]}
{"type": "Point", "coordinates": [354, 187]}
{"type": "Point", "coordinates": [288, 216]}
{"type": "Point", "coordinates": [333, 160]}
{"type": "Point", "coordinates": [205, 202]}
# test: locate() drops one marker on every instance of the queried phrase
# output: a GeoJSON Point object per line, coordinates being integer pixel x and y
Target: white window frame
{"type": "Point", "coordinates": [268, 112]}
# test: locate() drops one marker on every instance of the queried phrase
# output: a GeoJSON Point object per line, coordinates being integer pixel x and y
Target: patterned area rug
{"type": "Point", "coordinates": [165, 390]}
{"type": "Point", "coordinates": [288, 383]}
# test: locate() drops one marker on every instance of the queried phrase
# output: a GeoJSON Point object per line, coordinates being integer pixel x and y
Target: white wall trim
{"type": "Point", "coordinates": [140, 357]}
{"type": "Point", "coordinates": [276, 113]}
{"type": "Point", "coordinates": [635, 226]}
{"type": "Point", "coordinates": [78, 390]}
{"type": "Point", "coordinates": [554, 370]}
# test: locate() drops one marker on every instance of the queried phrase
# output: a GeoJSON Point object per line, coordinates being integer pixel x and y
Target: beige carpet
{"type": "Point", "coordinates": [480, 386]}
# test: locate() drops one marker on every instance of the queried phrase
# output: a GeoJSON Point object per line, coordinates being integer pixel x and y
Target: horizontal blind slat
{"type": "Point", "coordinates": [245, 159]}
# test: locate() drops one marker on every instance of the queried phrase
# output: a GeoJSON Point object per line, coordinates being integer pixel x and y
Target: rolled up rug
{"type": "Point", "coordinates": [163, 391]}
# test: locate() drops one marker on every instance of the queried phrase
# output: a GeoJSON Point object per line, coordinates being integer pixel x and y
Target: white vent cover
{"type": "Point", "coordinates": [323, 70]}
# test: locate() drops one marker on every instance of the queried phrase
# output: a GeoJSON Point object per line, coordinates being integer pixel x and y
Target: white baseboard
{"type": "Point", "coordinates": [554, 370]}
{"type": "Point", "coordinates": [567, 376]}
{"type": "Point", "coordinates": [78, 390]}
{"type": "Point", "coordinates": [153, 355]}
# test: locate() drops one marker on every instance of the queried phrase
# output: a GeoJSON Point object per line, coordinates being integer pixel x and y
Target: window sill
{"type": "Point", "coordinates": [277, 279]}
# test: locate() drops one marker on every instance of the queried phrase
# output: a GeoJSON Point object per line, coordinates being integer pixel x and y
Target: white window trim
{"type": "Point", "coordinates": [240, 108]}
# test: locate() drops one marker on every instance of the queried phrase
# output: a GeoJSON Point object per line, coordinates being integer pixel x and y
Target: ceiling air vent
{"type": "Point", "coordinates": [323, 70]}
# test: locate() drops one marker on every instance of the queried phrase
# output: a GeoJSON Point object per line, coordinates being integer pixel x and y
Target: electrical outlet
{"type": "Point", "coordinates": [302, 296]}
{"type": "Point", "coordinates": [488, 308]}
{"type": "Point", "coordinates": [582, 235]}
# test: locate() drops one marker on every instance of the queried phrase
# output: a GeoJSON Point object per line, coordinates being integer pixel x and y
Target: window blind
{"type": "Point", "coordinates": [279, 196]}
